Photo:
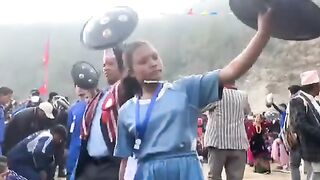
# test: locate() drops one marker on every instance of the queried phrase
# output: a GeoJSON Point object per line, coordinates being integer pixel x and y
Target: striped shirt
{"type": "Point", "coordinates": [225, 128]}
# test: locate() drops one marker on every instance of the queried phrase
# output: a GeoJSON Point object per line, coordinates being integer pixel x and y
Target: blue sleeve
{"type": "Point", "coordinates": [70, 118]}
{"type": "Point", "coordinates": [125, 142]}
{"type": "Point", "coordinates": [202, 89]}
{"type": "Point", "coordinates": [2, 126]}
{"type": "Point", "coordinates": [43, 153]}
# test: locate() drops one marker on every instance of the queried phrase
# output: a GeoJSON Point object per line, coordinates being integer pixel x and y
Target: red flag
{"type": "Point", "coordinates": [44, 88]}
{"type": "Point", "coordinates": [46, 54]}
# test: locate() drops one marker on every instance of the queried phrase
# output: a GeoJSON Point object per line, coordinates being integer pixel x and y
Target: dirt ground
{"type": "Point", "coordinates": [250, 175]}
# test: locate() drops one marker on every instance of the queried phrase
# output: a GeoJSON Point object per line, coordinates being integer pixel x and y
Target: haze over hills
{"type": "Point", "coordinates": [187, 44]}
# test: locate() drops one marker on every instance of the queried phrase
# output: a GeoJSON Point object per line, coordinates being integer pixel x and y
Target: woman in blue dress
{"type": "Point", "coordinates": [159, 125]}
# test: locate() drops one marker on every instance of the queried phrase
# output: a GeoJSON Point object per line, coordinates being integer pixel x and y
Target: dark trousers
{"type": "Point", "coordinates": [234, 162]}
{"type": "Point", "coordinates": [60, 157]}
{"type": "Point", "coordinates": [104, 169]}
{"type": "Point", "coordinates": [295, 162]}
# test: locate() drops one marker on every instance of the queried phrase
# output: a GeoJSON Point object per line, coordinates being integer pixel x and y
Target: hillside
{"type": "Point", "coordinates": [187, 44]}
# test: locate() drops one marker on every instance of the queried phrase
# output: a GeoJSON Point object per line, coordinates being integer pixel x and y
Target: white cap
{"type": "Point", "coordinates": [47, 108]}
{"type": "Point", "coordinates": [309, 77]}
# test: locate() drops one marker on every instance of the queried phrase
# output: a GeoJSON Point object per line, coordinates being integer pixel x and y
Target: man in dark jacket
{"type": "Point", "coordinates": [33, 157]}
{"type": "Point", "coordinates": [27, 122]}
{"type": "Point", "coordinates": [305, 120]}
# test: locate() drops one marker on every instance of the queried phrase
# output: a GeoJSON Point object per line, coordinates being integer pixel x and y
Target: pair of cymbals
{"type": "Point", "coordinates": [102, 32]}
{"type": "Point", "coordinates": [296, 20]}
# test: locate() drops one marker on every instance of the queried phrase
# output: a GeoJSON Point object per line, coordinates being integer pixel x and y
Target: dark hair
{"type": "Point", "coordinates": [308, 88]}
{"type": "Point", "coordinates": [3, 164]}
{"type": "Point", "coordinates": [51, 95]}
{"type": "Point", "coordinates": [35, 92]}
{"type": "Point", "coordinates": [128, 53]}
{"type": "Point", "coordinates": [59, 129]}
{"type": "Point", "coordinates": [5, 91]}
{"type": "Point", "coordinates": [131, 85]}
{"type": "Point", "coordinates": [294, 89]}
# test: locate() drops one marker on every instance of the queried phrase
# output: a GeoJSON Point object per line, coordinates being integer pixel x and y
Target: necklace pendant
{"type": "Point", "coordinates": [137, 144]}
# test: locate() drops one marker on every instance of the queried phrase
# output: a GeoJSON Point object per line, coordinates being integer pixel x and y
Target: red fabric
{"type": "Point", "coordinates": [46, 53]}
{"type": "Point", "coordinates": [251, 129]}
{"type": "Point", "coordinates": [43, 89]}
{"type": "Point", "coordinates": [200, 127]}
{"type": "Point", "coordinates": [88, 117]}
{"type": "Point", "coordinates": [110, 112]}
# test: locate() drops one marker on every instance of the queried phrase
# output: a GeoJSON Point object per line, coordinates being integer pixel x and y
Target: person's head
{"type": "Point", "coordinates": [51, 95]}
{"type": "Point", "coordinates": [143, 62]}
{"type": "Point", "coordinates": [294, 89]}
{"type": "Point", "coordinates": [310, 82]}
{"type": "Point", "coordinates": [113, 65]}
{"type": "Point", "coordinates": [5, 95]}
{"type": "Point", "coordinates": [45, 110]}
{"type": "Point", "coordinates": [85, 94]}
{"type": "Point", "coordinates": [80, 92]}
{"type": "Point", "coordinates": [34, 92]}
{"type": "Point", "coordinates": [59, 133]}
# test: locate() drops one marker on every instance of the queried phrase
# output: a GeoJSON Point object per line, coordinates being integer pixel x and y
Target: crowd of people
{"type": "Point", "coordinates": [144, 128]}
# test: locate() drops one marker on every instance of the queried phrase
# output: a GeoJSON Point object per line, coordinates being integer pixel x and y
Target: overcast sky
{"type": "Point", "coordinates": [32, 11]}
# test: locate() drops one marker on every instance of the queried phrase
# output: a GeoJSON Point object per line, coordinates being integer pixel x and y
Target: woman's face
{"type": "Point", "coordinates": [146, 64]}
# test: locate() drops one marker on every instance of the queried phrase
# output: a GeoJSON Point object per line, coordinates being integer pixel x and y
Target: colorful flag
{"type": "Point", "coordinates": [204, 13]}
{"type": "Point", "coordinates": [213, 13]}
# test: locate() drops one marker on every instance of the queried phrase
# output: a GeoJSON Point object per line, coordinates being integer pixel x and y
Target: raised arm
{"type": "Point", "coordinates": [244, 61]}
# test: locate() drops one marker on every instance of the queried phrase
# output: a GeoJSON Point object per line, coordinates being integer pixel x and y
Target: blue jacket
{"type": "Point", "coordinates": [2, 127]}
{"type": "Point", "coordinates": [35, 152]}
{"type": "Point", "coordinates": [75, 117]}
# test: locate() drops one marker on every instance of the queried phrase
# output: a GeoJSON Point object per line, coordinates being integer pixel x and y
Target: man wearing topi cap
{"type": "Point", "coordinates": [304, 118]}
{"type": "Point", "coordinates": [26, 122]}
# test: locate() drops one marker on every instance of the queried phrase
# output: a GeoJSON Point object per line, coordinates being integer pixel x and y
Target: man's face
{"type": "Point", "coordinates": [58, 140]}
{"type": "Point", "coordinates": [81, 93]}
{"type": "Point", "coordinates": [5, 99]}
{"type": "Point", "coordinates": [111, 70]}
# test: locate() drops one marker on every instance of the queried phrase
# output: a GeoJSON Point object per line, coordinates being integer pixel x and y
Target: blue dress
{"type": "Point", "coordinates": [168, 150]}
